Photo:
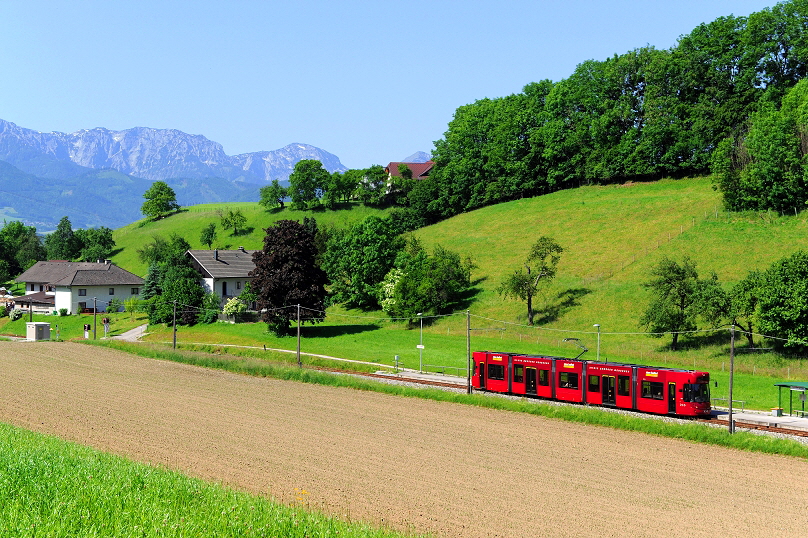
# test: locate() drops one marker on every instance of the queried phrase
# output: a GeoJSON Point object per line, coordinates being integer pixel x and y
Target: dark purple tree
{"type": "Point", "coordinates": [286, 274]}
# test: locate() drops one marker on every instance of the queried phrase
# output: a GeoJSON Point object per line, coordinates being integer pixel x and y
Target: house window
{"type": "Point", "coordinates": [112, 291]}
{"type": "Point", "coordinates": [238, 285]}
{"type": "Point", "coordinates": [82, 292]}
{"type": "Point", "coordinates": [135, 291]}
{"type": "Point", "coordinates": [224, 289]}
{"type": "Point", "coordinates": [32, 287]}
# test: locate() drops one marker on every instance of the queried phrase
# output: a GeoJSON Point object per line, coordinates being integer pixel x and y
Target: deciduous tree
{"type": "Point", "coordinates": [286, 275]}
{"type": "Point", "coordinates": [160, 200]}
{"type": "Point", "coordinates": [272, 195]}
{"type": "Point", "coordinates": [538, 271]}
{"type": "Point", "coordinates": [307, 182]}
{"type": "Point", "coordinates": [357, 261]}
{"type": "Point", "coordinates": [208, 235]}
{"type": "Point", "coordinates": [62, 243]}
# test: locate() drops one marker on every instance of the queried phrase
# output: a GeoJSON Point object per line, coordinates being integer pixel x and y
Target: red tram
{"type": "Point", "coordinates": [665, 391]}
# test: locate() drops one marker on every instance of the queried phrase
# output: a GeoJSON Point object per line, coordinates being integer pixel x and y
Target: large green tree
{"type": "Point", "coordinates": [538, 270]}
{"type": "Point", "coordinates": [783, 303]}
{"type": "Point", "coordinates": [160, 200]}
{"type": "Point", "coordinates": [766, 167]}
{"type": "Point", "coordinates": [424, 283]}
{"type": "Point", "coordinates": [62, 244]}
{"type": "Point", "coordinates": [307, 182]}
{"type": "Point", "coordinates": [357, 261]}
{"type": "Point", "coordinates": [286, 274]}
{"type": "Point", "coordinates": [94, 243]}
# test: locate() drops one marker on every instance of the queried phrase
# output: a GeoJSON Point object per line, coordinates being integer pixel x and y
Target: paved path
{"type": "Point", "coordinates": [132, 335]}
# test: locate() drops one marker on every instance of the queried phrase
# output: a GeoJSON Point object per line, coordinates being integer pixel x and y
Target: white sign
{"type": "Point", "coordinates": [419, 346]}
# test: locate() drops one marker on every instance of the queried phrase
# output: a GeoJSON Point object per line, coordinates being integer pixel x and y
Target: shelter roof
{"type": "Point", "coordinates": [796, 384]}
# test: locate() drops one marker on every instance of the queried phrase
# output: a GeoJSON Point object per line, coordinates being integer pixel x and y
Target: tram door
{"type": "Point", "coordinates": [530, 381]}
{"type": "Point", "coordinates": [482, 375]}
{"type": "Point", "coordinates": [608, 389]}
{"type": "Point", "coordinates": [671, 397]}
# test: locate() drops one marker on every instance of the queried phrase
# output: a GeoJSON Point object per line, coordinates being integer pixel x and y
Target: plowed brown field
{"type": "Point", "coordinates": [411, 464]}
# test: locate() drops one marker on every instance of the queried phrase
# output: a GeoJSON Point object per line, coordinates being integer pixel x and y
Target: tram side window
{"type": "Point", "coordinates": [623, 385]}
{"type": "Point", "coordinates": [496, 371]}
{"type": "Point", "coordinates": [594, 383]}
{"type": "Point", "coordinates": [652, 390]}
{"type": "Point", "coordinates": [518, 373]}
{"type": "Point", "coordinates": [568, 380]}
{"type": "Point", "coordinates": [544, 378]}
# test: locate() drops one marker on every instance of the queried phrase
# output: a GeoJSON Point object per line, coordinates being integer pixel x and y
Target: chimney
{"type": "Point", "coordinates": [216, 255]}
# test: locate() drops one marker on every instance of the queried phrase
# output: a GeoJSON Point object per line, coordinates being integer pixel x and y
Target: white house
{"type": "Point", "coordinates": [74, 285]}
{"type": "Point", "coordinates": [224, 272]}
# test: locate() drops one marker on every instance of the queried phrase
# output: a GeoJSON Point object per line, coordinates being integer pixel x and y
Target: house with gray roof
{"type": "Point", "coordinates": [224, 272]}
{"type": "Point", "coordinates": [74, 285]}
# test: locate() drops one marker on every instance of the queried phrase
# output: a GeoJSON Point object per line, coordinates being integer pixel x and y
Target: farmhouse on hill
{"type": "Point", "coordinates": [74, 285]}
{"type": "Point", "coordinates": [419, 170]}
{"type": "Point", "coordinates": [224, 272]}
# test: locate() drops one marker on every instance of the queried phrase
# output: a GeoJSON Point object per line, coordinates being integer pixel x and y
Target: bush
{"type": "Point", "coordinates": [63, 312]}
{"type": "Point", "coordinates": [3, 311]}
{"type": "Point", "coordinates": [114, 305]}
{"type": "Point", "coordinates": [15, 314]}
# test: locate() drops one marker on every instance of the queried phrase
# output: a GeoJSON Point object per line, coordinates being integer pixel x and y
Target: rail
{"type": "Point", "coordinates": [742, 402]}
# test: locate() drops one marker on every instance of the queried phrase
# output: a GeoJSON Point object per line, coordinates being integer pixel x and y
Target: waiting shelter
{"type": "Point", "coordinates": [799, 387]}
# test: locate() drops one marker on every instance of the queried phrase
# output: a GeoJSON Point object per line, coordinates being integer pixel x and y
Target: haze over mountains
{"type": "Point", "coordinates": [97, 176]}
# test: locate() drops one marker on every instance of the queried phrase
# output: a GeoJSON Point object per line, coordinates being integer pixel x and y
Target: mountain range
{"type": "Point", "coordinates": [97, 177]}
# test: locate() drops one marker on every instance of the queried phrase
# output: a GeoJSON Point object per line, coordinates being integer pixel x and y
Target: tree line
{"type": "Point", "coordinates": [21, 246]}
{"type": "Point", "coordinates": [642, 115]}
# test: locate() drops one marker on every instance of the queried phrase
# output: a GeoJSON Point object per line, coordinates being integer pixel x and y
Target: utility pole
{"type": "Point", "coordinates": [95, 317]}
{"type": "Point", "coordinates": [299, 364]}
{"type": "Point", "coordinates": [175, 325]}
{"type": "Point", "coordinates": [468, 351]}
{"type": "Point", "coordinates": [731, 374]}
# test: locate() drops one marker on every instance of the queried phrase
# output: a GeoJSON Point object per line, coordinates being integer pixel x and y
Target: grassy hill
{"type": "Point", "coordinates": [191, 220]}
{"type": "Point", "coordinates": [612, 236]}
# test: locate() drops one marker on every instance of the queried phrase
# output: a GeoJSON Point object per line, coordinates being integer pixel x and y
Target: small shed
{"type": "Point", "coordinates": [798, 387]}
{"type": "Point", "coordinates": [37, 330]}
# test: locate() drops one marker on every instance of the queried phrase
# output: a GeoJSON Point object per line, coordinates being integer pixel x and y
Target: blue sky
{"type": "Point", "coordinates": [371, 82]}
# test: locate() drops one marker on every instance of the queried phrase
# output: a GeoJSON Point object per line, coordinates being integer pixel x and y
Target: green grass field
{"type": "Point", "coordinates": [189, 223]}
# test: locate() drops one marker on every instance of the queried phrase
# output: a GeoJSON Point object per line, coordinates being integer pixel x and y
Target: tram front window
{"type": "Point", "coordinates": [696, 392]}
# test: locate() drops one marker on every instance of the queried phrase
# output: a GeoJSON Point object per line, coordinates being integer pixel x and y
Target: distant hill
{"type": "Point", "coordinates": [97, 177]}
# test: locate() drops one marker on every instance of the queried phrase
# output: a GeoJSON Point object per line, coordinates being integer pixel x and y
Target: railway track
{"type": "Point", "coordinates": [404, 378]}
{"type": "Point", "coordinates": [756, 426]}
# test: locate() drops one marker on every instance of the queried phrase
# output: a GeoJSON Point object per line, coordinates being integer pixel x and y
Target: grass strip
{"type": "Point", "coordinates": [694, 432]}
{"type": "Point", "coordinates": [50, 487]}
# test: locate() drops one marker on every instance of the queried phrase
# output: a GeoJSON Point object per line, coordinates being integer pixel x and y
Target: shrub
{"type": "Point", "coordinates": [3, 311]}
{"type": "Point", "coordinates": [114, 305]}
{"type": "Point", "coordinates": [63, 312]}
{"type": "Point", "coordinates": [15, 314]}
